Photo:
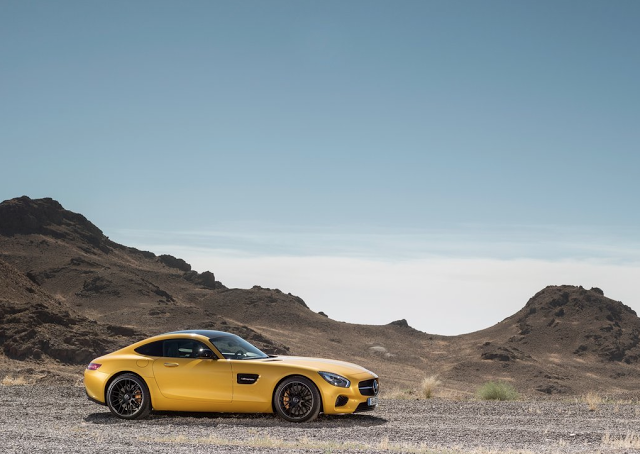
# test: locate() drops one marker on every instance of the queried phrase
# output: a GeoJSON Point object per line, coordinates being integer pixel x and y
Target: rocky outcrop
{"type": "Point", "coordinates": [46, 216]}
{"type": "Point", "coordinates": [174, 262]}
{"type": "Point", "coordinates": [401, 323]}
{"type": "Point", "coordinates": [581, 321]}
{"type": "Point", "coordinates": [206, 279]}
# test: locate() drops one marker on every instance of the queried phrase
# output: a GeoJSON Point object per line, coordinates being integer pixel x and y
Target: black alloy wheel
{"type": "Point", "coordinates": [128, 397]}
{"type": "Point", "coordinates": [297, 399]}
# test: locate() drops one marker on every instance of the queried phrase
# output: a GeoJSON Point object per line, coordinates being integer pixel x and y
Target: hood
{"type": "Point", "coordinates": [325, 365]}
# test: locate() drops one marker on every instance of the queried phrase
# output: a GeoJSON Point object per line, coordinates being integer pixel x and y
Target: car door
{"type": "Point", "coordinates": [180, 375]}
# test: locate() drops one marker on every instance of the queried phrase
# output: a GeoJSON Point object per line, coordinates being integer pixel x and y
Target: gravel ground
{"type": "Point", "coordinates": [61, 419]}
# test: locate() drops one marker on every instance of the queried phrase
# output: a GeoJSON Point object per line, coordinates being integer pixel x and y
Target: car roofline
{"type": "Point", "coordinates": [208, 333]}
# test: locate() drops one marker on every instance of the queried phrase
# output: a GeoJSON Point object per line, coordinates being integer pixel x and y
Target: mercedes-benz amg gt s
{"type": "Point", "coordinates": [215, 371]}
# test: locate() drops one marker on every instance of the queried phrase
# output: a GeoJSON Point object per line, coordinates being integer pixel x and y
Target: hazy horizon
{"type": "Point", "coordinates": [427, 278]}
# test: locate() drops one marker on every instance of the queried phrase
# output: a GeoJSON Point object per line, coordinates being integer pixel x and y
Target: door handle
{"type": "Point", "coordinates": [171, 364]}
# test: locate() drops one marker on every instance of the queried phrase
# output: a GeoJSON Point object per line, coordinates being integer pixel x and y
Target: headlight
{"type": "Point", "coordinates": [335, 379]}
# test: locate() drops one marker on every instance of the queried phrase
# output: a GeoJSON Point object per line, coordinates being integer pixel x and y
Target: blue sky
{"type": "Point", "coordinates": [383, 131]}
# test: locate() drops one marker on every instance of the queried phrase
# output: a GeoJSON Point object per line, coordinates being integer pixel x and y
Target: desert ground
{"type": "Point", "coordinates": [44, 418]}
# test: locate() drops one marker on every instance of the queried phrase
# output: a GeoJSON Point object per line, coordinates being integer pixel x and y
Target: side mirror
{"type": "Point", "coordinates": [205, 353]}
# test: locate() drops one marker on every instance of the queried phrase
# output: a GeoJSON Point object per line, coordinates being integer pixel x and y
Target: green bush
{"type": "Point", "coordinates": [497, 391]}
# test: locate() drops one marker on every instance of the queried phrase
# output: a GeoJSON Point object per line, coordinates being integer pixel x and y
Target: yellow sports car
{"type": "Point", "coordinates": [214, 371]}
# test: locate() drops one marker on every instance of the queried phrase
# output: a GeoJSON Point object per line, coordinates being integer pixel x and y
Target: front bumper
{"type": "Point", "coordinates": [336, 400]}
{"type": "Point", "coordinates": [364, 406]}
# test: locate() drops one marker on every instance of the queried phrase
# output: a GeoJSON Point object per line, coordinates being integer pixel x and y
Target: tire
{"type": "Point", "coordinates": [297, 399]}
{"type": "Point", "coordinates": [128, 397]}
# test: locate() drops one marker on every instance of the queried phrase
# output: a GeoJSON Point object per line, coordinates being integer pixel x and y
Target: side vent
{"type": "Point", "coordinates": [247, 379]}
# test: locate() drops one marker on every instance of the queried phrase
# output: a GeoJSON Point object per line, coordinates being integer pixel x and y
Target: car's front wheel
{"type": "Point", "coordinates": [128, 397]}
{"type": "Point", "coordinates": [297, 399]}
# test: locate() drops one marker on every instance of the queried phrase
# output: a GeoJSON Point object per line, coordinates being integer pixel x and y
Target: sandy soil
{"type": "Point", "coordinates": [61, 419]}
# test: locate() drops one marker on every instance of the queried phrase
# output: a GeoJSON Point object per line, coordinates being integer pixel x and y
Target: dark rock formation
{"type": "Point", "coordinates": [581, 321]}
{"type": "Point", "coordinates": [174, 262]}
{"type": "Point", "coordinates": [46, 216]}
{"type": "Point", "coordinates": [97, 286]}
{"type": "Point", "coordinates": [206, 279]}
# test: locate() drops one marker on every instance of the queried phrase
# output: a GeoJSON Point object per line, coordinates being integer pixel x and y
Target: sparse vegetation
{"type": "Point", "coordinates": [428, 386]}
{"type": "Point", "coordinates": [399, 393]}
{"type": "Point", "coordinates": [393, 428]}
{"type": "Point", "coordinates": [630, 441]}
{"type": "Point", "coordinates": [497, 390]}
{"type": "Point", "coordinates": [593, 400]}
{"type": "Point", "coordinates": [17, 380]}
{"type": "Point", "coordinates": [454, 395]}
{"type": "Point", "coordinates": [306, 443]}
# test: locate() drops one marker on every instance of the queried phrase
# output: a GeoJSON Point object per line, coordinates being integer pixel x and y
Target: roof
{"type": "Point", "coordinates": [203, 332]}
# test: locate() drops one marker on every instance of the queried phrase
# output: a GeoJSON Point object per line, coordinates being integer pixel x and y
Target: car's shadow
{"type": "Point", "coordinates": [237, 419]}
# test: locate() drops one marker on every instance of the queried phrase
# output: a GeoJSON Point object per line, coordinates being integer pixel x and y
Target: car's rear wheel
{"type": "Point", "coordinates": [128, 397]}
{"type": "Point", "coordinates": [297, 399]}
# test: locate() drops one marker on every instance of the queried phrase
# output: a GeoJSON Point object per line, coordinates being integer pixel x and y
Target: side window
{"type": "Point", "coordinates": [151, 349]}
{"type": "Point", "coordinates": [181, 348]}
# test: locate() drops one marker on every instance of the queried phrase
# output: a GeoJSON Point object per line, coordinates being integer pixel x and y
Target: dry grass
{"type": "Point", "coordinates": [17, 380]}
{"type": "Point", "coordinates": [534, 410]}
{"type": "Point", "coordinates": [454, 394]}
{"type": "Point", "coordinates": [399, 393]}
{"type": "Point", "coordinates": [428, 386]}
{"type": "Point", "coordinates": [630, 441]}
{"type": "Point", "coordinates": [427, 390]}
{"type": "Point", "coordinates": [305, 443]}
{"type": "Point", "coordinates": [593, 400]}
{"type": "Point", "coordinates": [261, 442]}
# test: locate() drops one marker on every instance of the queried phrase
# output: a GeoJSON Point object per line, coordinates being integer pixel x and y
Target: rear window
{"type": "Point", "coordinates": [150, 349]}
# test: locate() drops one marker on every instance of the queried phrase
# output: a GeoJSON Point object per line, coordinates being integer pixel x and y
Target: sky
{"type": "Point", "coordinates": [438, 161]}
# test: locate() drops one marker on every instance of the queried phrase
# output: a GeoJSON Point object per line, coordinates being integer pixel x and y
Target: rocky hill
{"type": "Point", "coordinates": [68, 293]}
{"type": "Point", "coordinates": [564, 340]}
{"type": "Point", "coordinates": [568, 320]}
{"type": "Point", "coordinates": [37, 326]}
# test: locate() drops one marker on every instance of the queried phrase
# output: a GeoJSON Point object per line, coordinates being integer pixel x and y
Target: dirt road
{"type": "Point", "coordinates": [60, 419]}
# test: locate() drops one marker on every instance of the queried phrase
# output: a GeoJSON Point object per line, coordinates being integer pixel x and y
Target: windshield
{"type": "Point", "coordinates": [234, 347]}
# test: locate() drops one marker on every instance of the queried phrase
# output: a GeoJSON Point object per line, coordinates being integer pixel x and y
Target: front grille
{"type": "Point", "coordinates": [368, 387]}
{"type": "Point", "coordinates": [341, 401]}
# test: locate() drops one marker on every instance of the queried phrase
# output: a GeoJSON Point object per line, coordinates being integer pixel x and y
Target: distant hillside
{"type": "Point", "coordinates": [68, 293]}
{"type": "Point", "coordinates": [563, 339]}
{"type": "Point", "coordinates": [37, 326]}
{"type": "Point", "coordinates": [584, 323]}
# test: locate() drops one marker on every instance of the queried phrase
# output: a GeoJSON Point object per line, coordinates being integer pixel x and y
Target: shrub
{"type": "Point", "coordinates": [497, 391]}
{"type": "Point", "coordinates": [428, 386]}
{"type": "Point", "coordinates": [592, 399]}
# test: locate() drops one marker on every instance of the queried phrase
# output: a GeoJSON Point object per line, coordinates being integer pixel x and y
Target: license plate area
{"type": "Point", "coordinates": [372, 401]}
